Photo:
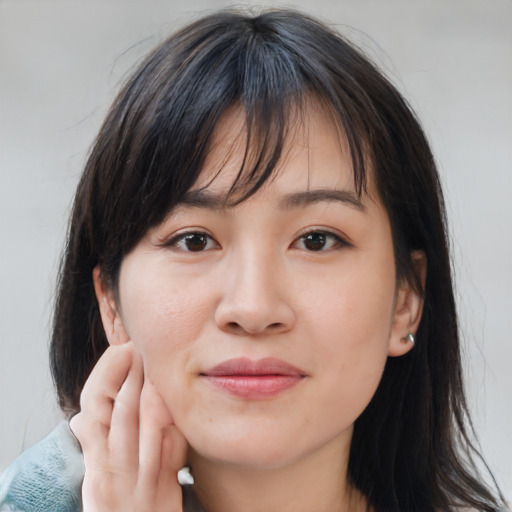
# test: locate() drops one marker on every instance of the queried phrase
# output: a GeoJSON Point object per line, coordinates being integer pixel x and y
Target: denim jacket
{"type": "Point", "coordinates": [48, 478]}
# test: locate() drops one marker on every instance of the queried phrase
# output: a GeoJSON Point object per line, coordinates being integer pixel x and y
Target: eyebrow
{"type": "Point", "coordinates": [212, 201]}
{"type": "Point", "coordinates": [298, 199]}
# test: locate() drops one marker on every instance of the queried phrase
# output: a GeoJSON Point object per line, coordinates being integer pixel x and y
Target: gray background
{"type": "Point", "coordinates": [60, 64]}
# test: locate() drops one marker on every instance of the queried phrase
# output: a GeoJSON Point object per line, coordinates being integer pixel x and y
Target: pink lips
{"type": "Point", "coordinates": [254, 380]}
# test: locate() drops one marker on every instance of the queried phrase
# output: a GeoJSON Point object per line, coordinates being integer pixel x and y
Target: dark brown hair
{"type": "Point", "coordinates": [411, 450]}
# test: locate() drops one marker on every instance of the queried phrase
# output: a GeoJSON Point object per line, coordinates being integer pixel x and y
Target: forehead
{"type": "Point", "coordinates": [315, 155]}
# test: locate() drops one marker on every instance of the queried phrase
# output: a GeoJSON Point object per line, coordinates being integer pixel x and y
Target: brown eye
{"type": "Point", "coordinates": [319, 241]}
{"type": "Point", "coordinates": [315, 241]}
{"type": "Point", "coordinates": [193, 241]}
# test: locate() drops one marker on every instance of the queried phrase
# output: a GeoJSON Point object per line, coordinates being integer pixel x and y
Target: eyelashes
{"type": "Point", "coordinates": [311, 240]}
{"type": "Point", "coordinates": [319, 241]}
{"type": "Point", "coordinates": [193, 241]}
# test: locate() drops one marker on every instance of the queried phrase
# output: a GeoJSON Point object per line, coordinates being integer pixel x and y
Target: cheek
{"type": "Point", "coordinates": [349, 370]}
{"type": "Point", "coordinates": [353, 311]}
{"type": "Point", "coordinates": [351, 327]}
{"type": "Point", "coordinates": [163, 321]}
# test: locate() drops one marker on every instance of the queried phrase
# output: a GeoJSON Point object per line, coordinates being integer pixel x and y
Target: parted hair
{"type": "Point", "coordinates": [413, 446]}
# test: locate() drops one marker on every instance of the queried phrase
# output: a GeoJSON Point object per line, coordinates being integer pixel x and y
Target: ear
{"type": "Point", "coordinates": [109, 311]}
{"type": "Point", "coordinates": [408, 308]}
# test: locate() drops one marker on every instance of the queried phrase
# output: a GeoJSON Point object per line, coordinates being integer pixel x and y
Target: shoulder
{"type": "Point", "coordinates": [47, 476]}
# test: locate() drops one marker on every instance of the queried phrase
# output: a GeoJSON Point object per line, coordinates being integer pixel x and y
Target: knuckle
{"type": "Point", "coordinates": [76, 424]}
{"type": "Point", "coordinates": [86, 396]}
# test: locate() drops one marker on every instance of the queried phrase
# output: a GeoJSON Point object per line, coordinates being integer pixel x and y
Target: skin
{"type": "Point", "coordinates": [258, 287]}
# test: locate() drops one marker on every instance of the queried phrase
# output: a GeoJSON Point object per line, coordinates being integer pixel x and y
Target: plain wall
{"type": "Point", "coordinates": [60, 65]}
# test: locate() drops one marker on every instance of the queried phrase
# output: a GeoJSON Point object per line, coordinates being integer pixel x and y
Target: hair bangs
{"type": "Point", "coordinates": [176, 100]}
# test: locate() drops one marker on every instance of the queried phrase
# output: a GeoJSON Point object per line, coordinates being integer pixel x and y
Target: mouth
{"type": "Point", "coordinates": [253, 380]}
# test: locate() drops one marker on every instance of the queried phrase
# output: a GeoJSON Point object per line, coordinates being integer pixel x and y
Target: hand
{"type": "Point", "coordinates": [132, 450]}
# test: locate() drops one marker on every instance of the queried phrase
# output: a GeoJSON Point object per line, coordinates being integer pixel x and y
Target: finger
{"type": "Point", "coordinates": [157, 412]}
{"type": "Point", "coordinates": [92, 437]}
{"type": "Point", "coordinates": [154, 419]}
{"type": "Point", "coordinates": [162, 453]}
{"type": "Point", "coordinates": [173, 455]}
{"type": "Point", "coordinates": [123, 440]}
{"type": "Point", "coordinates": [105, 381]}
{"type": "Point", "coordinates": [91, 426]}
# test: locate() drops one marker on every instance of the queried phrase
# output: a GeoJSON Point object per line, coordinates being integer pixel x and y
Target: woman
{"type": "Point", "coordinates": [257, 285]}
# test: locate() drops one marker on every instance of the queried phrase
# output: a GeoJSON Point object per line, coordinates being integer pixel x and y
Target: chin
{"type": "Point", "coordinates": [247, 446]}
{"type": "Point", "coordinates": [247, 456]}
{"type": "Point", "coordinates": [261, 445]}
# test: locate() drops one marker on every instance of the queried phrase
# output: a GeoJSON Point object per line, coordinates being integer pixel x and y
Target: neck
{"type": "Point", "coordinates": [316, 481]}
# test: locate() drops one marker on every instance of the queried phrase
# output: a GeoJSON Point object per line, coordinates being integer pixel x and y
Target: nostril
{"type": "Point", "coordinates": [234, 328]}
{"type": "Point", "coordinates": [237, 328]}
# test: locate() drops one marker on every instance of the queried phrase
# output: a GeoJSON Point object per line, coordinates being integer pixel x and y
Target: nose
{"type": "Point", "coordinates": [255, 298]}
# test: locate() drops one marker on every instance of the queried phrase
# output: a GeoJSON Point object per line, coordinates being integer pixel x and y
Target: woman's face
{"type": "Point", "coordinates": [265, 327]}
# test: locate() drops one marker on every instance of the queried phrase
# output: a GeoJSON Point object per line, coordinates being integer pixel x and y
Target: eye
{"type": "Point", "coordinates": [319, 241]}
{"type": "Point", "coordinates": [193, 241]}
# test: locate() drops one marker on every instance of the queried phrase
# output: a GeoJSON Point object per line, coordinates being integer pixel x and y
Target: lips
{"type": "Point", "coordinates": [254, 380]}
